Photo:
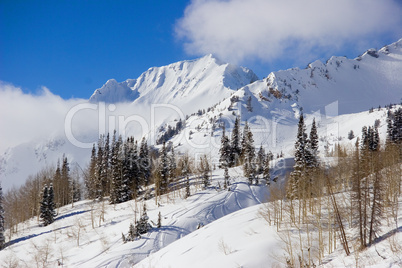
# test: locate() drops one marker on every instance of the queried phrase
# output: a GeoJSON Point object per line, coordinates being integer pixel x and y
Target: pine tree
{"type": "Point", "coordinates": [188, 193]}
{"type": "Point", "coordinates": [50, 205]}
{"type": "Point", "coordinates": [248, 153]}
{"type": "Point", "coordinates": [90, 177]}
{"type": "Point", "coordinates": [132, 233]}
{"type": "Point", "coordinates": [105, 166]}
{"type": "Point", "coordinates": [142, 225]}
{"type": "Point", "coordinates": [172, 165]}
{"type": "Point", "coordinates": [144, 163]}
{"type": "Point", "coordinates": [117, 171]}
{"type": "Point", "coordinates": [2, 221]}
{"type": "Point", "coordinates": [58, 182]}
{"type": "Point", "coordinates": [126, 158]}
{"type": "Point", "coordinates": [312, 148]}
{"type": "Point", "coordinates": [260, 161]}
{"type": "Point", "coordinates": [266, 170]}
{"type": "Point", "coordinates": [43, 206]}
{"type": "Point", "coordinates": [226, 177]}
{"type": "Point", "coordinates": [299, 168]}
{"type": "Point", "coordinates": [47, 212]}
{"type": "Point", "coordinates": [205, 169]}
{"type": "Point", "coordinates": [163, 171]}
{"type": "Point", "coordinates": [99, 171]}
{"type": "Point", "coordinates": [235, 144]}
{"type": "Point", "coordinates": [225, 151]}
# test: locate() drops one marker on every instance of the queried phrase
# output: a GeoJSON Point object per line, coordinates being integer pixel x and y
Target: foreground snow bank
{"type": "Point", "coordinates": [240, 239]}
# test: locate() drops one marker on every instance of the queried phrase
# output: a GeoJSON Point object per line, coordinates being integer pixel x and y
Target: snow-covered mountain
{"type": "Point", "coordinates": [190, 85]}
{"type": "Point", "coordinates": [338, 87]}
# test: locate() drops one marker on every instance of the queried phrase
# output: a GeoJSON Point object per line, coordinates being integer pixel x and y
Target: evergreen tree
{"type": "Point", "coordinates": [117, 172]}
{"type": "Point", "coordinates": [299, 168]}
{"type": "Point", "coordinates": [58, 182]}
{"type": "Point", "coordinates": [260, 161]}
{"type": "Point", "coordinates": [225, 151]}
{"type": "Point", "coordinates": [162, 188]}
{"type": "Point", "coordinates": [205, 169]}
{"type": "Point", "coordinates": [311, 153]}
{"type": "Point", "coordinates": [47, 212]}
{"type": "Point", "coordinates": [188, 193]}
{"type": "Point", "coordinates": [105, 183]}
{"type": "Point", "coordinates": [235, 144]}
{"type": "Point", "coordinates": [226, 177]}
{"type": "Point", "coordinates": [172, 165]}
{"type": "Point", "coordinates": [142, 225]}
{"type": "Point", "coordinates": [2, 222]}
{"type": "Point", "coordinates": [126, 159]}
{"type": "Point", "coordinates": [248, 153]}
{"type": "Point", "coordinates": [132, 233]}
{"type": "Point", "coordinates": [50, 204]}
{"type": "Point", "coordinates": [99, 171]}
{"type": "Point", "coordinates": [90, 177]}
{"type": "Point", "coordinates": [265, 174]}
{"type": "Point", "coordinates": [144, 163]}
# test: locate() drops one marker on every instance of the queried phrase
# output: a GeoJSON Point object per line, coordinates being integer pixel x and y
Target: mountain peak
{"type": "Point", "coordinates": [203, 80]}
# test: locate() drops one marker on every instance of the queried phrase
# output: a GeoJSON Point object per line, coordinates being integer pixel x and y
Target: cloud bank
{"type": "Point", "coordinates": [267, 30]}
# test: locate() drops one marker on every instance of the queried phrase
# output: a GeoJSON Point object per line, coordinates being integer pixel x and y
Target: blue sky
{"type": "Point", "coordinates": [73, 47]}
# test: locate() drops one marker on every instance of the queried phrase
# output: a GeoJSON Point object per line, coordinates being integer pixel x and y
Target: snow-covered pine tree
{"type": "Point", "coordinates": [132, 233]}
{"type": "Point", "coordinates": [2, 221]}
{"type": "Point", "coordinates": [144, 163]}
{"type": "Point", "coordinates": [260, 160]}
{"type": "Point", "coordinates": [188, 193]}
{"type": "Point", "coordinates": [265, 173]}
{"type": "Point", "coordinates": [312, 148]}
{"type": "Point", "coordinates": [299, 168]}
{"type": "Point", "coordinates": [47, 206]}
{"type": "Point", "coordinates": [248, 153]}
{"type": "Point", "coordinates": [124, 191]}
{"type": "Point", "coordinates": [50, 204]}
{"type": "Point", "coordinates": [172, 165]}
{"type": "Point", "coordinates": [235, 144]}
{"type": "Point", "coordinates": [133, 168]}
{"type": "Point", "coordinates": [163, 171]}
{"type": "Point", "coordinates": [116, 166]}
{"type": "Point", "coordinates": [142, 225]}
{"type": "Point", "coordinates": [205, 169]}
{"type": "Point", "coordinates": [226, 178]}
{"type": "Point", "coordinates": [43, 206]}
{"type": "Point", "coordinates": [225, 150]}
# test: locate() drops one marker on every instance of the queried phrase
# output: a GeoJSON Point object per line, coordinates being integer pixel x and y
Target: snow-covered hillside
{"type": "Point", "coordinates": [163, 95]}
{"type": "Point", "coordinates": [211, 228]}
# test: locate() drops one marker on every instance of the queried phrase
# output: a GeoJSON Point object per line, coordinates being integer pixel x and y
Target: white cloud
{"type": "Point", "coordinates": [267, 30]}
{"type": "Point", "coordinates": [26, 117]}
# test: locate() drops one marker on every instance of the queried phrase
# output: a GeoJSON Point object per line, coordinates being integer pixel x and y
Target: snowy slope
{"type": "Point", "coordinates": [190, 85]}
{"type": "Point", "coordinates": [234, 233]}
{"type": "Point", "coordinates": [102, 245]}
{"type": "Point", "coordinates": [324, 90]}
